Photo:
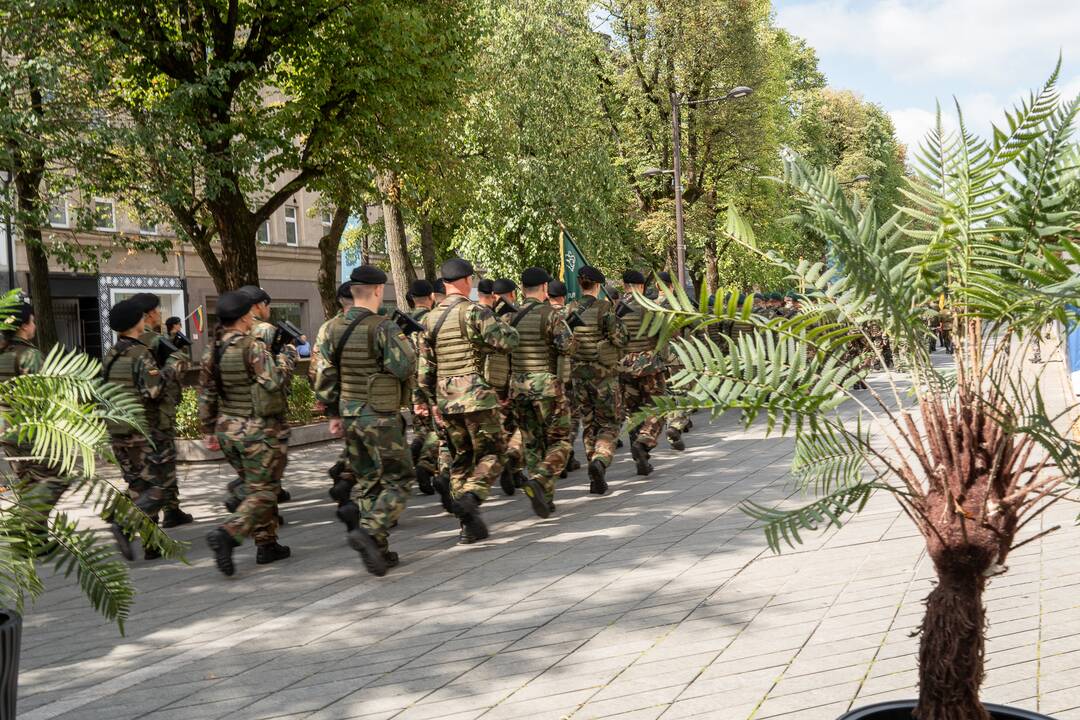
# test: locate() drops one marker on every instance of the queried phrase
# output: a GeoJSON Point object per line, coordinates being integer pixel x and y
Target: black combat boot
{"type": "Point", "coordinates": [271, 552]}
{"type": "Point", "coordinates": [618, 442]}
{"type": "Point", "coordinates": [349, 513]}
{"type": "Point", "coordinates": [473, 527]}
{"type": "Point", "coordinates": [674, 437]}
{"type": "Point", "coordinates": [341, 490]}
{"type": "Point", "coordinates": [597, 483]}
{"type": "Point", "coordinates": [231, 500]}
{"type": "Point", "coordinates": [123, 543]}
{"type": "Point", "coordinates": [283, 495]}
{"type": "Point", "coordinates": [536, 496]}
{"type": "Point", "coordinates": [222, 544]}
{"type": "Point", "coordinates": [551, 507]}
{"type": "Point", "coordinates": [423, 481]}
{"type": "Point", "coordinates": [174, 517]}
{"type": "Point", "coordinates": [150, 553]}
{"type": "Point", "coordinates": [506, 481]}
{"type": "Point", "coordinates": [362, 542]}
{"type": "Point", "coordinates": [391, 558]}
{"type": "Point", "coordinates": [415, 448]}
{"type": "Point", "coordinates": [441, 483]}
{"type": "Point", "coordinates": [573, 463]}
{"type": "Point", "coordinates": [640, 454]}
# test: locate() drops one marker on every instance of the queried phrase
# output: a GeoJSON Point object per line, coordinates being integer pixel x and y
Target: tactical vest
{"type": "Point", "coordinates": [119, 369]}
{"type": "Point", "coordinates": [533, 353]}
{"type": "Point", "coordinates": [240, 394]}
{"type": "Point", "coordinates": [359, 371]}
{"type": "Point", "coordinates": [593, 346]}
{"type": "Point", "coordinates": [11, 357]}
{"type": "Point", "coordinates": [454, 354]}
{"type": "Point", "coordinates": [633, 323]}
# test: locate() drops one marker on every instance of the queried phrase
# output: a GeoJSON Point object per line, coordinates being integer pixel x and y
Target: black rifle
{"type": "Point", "coordinates": [164, 349]}
{"type": "Point", "coordinates": [504, 308]}
{"type": "Point", "coordinates": [287, 333]}
{"type": "Point", "coordinates": [623, 309]}
{"type": "Point", "coordinates": [407, 324]}
{"type": "Point", "coordinates": [574, 321]}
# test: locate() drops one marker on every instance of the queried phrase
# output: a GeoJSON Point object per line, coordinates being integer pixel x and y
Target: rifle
{"type": "Point", "coordinates": [164, 349]}
{"type": "Point", "coordinates": [574, 320]}
{"type": "Point", "coordinates": [407, 324]}
{"type": "Point", "coordinates": [504, 308]}
{"type": "Point", "coordinates": [622, 309]}
{"type": "Point", "coordinates": [287, 333]}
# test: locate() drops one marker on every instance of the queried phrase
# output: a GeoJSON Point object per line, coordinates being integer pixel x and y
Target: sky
{"type": "Point", "coordinates": [907, 54]}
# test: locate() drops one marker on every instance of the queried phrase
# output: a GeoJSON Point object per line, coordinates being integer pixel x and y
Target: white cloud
{"type": "Point", "coordinates": [992, 39]}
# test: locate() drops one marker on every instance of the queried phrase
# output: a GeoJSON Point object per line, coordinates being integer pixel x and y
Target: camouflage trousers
{"type": "Point", "coordinates": [476, 443]}
{"type": "Point", "coordinates": [34, 475]}
{"type": "Point", "coordinates": [148, 488]}
{"type": "Point", "coordinates": [251, 446]}
{"type": "Point", "coordinates": [279, 428]}
{"type": "Point", "coordinates": [679, 421]}
{"type": "Point", "coordinates": [638, 392]}
{"type": "Point", "coordinates": [515, 447]}
{"type": "Point", "coordinates": [542, 417]}
{"type": "Point", "coordinates": [597, 397]}
{"type": "Point", "coordinates": [163, 464]}
{"type": "Point", "coordinates": [424, 431]}
{"type": "Point", "coordinates": [380, 460]}
{"type": "Point", "coordinates": [575, 414]}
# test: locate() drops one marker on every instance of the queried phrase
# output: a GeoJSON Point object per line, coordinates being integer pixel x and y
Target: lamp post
{"type": "Point", "coordinates": [676, 135]}
{"type": "Point", "coordinates": [6, 178]}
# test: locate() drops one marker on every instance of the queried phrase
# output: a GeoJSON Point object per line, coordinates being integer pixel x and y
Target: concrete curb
{"type": "Point", "coordinates": [193, 451]}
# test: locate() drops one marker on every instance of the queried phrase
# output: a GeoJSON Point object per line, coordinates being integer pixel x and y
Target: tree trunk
{"type": "Point", "coordinates": [712, 269]}
{"type": "Point", "coordinates": [37, 261]}
{"type": "Point", "coordinates": [329, 244]}
{"type": "Point", "coordinates": [236, 232]}
{"type": "Point", "coordinates": [952, 647]}
{"type": "Point", "coordinates": [401, 268]}
{"type": "Point", "coordinates": [427, 249]}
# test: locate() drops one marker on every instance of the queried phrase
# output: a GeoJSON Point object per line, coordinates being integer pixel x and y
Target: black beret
{"type": "Point", "coordinates": [503, 285]}
{"type": "Point", "coordinates": [421, 288]}
{"type": "Point", "coordinates": [557, 288]}
{"type": "Point", "coordinates": [484, 287]}
{"type": "Point", "coordinates": [588, 272]}
{"type": "Point", "coordinates": [125, 315]}
{"type": "Point", "coordinates": [440, 287]}
{"type": "Point", "coordinates": [172, 321]}
{"type": "Point", "coordinates": [534, 276]}
{"type": "Point", "coordinates": [344, 290]}
{"type": "Point", "coordinates": [455, 269]}
{"type": "Point", "coordinates": [633, 277]}
{"type": "Point", "coordinates": [368, 275]}
{"type": "Point", "coordinates": [234, 305]}
{"type": "Point", "coordinates": [20, 314]}
{"type": "Point", "coordinates": [146, 301]}
{"type": "Point", "coordinates": [256, 293]}
{"type": "Point", "coordinates": [664, 276]}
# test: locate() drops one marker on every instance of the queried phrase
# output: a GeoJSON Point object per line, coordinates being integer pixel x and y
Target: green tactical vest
{"type": "Point", "coordinates": [593, 347]}
{"type": "Point", "coordinates": [533, 353]}
{"type": "Point", "coordinates": [240, 394]}
{"type": "Point", "coordinates": [119, 369]}
{"type": "Point", "coordinates": [633, 326]}
{"type": "Point", "coordinates": [359, 371]}
{"type": "Point", "coordinates": [11, 357]}
{"type": "Point", "coordinates": [454, 354]}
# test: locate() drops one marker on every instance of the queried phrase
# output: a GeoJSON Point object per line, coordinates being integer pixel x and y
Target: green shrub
{"type": "Point", "coordinates": [301, 408]}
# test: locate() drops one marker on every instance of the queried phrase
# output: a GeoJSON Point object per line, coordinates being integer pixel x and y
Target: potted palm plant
{"type": "Point", "coordinates": [969, 449]}
{"type": "Point", "coordinates": [57, 416]}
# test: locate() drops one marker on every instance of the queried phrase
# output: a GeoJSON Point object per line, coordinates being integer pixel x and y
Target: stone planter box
{"type": "Point", "coordinates": [193, 451]}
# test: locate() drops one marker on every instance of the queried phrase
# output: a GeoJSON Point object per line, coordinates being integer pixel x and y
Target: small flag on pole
{"type": "Point", "coordinates": [571, 259]}
{"type": "Point", "coordinates": [198, 321]}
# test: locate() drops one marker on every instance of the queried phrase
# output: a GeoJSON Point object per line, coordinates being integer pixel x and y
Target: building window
{"type": "Point", "coordinates": [293, 312]}
{"type": "Point", "coordinates": [104, 215]}
{"type": "Point", "coordinates": [263, 233]}
{"type": "Point", "coordinates": [291, 231]}
{"type": "Point", "coordinates": [58, 213]}
{"type": "Point", "coordinates": [147, 228]}
{"type": "Point", "coordinates": [327, 218]}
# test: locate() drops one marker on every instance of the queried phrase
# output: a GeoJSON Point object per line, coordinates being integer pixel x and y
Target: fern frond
{"type": "Point", "coordinates": [822, 514]}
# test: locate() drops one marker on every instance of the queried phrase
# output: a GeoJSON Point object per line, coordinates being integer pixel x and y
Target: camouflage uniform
{"type": "Point", "coordinates": [541, 408]}
{"type": "Point", "coordinates": [595, 376]}
{"type": "Point", "coordinates": [642, 375]}
{"type": "Point", "coordinates": [497, 373]}
{"type": "Point", "coordinates": [20, 357]}
{"type": "Point", "coordinates": [340, 472]}
{"type": "Point", "coordinates": [451, 371]}
{"type": "Point", "coordinates": [244, 415]}
{"type": "Point", "coordinates": [162, 426]}
{"type": "Point", "coordinates": [366, 386]}
{"type": "Point", "coordinates": [425, 433]}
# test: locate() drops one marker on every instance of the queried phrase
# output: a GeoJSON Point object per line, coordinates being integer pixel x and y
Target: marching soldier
{"type": "Point", "coordinates": [425, 443]}
{"type": "Point", "coordinates": [162, 427]}
{"type": "Point", "coordinates": [595, 378]}
{"type": "Point", "coordinates": [440, 290]}
{"type": "Point", "coordinates": [641, 372]}
{"type": "Point", "coordinates": [369, 365]}
{"type": "Point", "coordinates": [459, 333]}
{"type": "Point", "coordinates": [265, 331]}
{"type": "Point", "coordinates": [537, 395]}
{"type": "Point", "coordinates": [240, 404]}
{"type": "Point", "coordinates": [19, 356]}
{"type": "Point", "coordinates": [340, 473]}
{"type": "Point", "coordinates": [497, 368]}
{"type": "Point", "coordinates": [130, 365]}
{"type": "Point", "coordinates": [557, 299]}
{"type": "Point", "coordinates": [680, 422]}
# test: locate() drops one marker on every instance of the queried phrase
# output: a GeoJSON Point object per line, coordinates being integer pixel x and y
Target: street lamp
{"type": "Point", "coordinates": [5, 178]}
{"type": "Point", "coordinates": [676, 133]}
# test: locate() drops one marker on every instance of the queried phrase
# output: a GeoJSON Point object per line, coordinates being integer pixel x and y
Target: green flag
{"type": "Point", "coordinates": [571, 260]}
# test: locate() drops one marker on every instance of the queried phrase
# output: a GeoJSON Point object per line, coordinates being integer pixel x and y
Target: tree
{"type": "Point", "coordinates": [989, 229]}
{"type": "Point", "coordinates": [236, 106]}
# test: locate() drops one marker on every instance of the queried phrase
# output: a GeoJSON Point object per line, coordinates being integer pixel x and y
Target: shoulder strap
{"type": "Point", "coordinates": [522, 313]}
{"type": "Point", "coordinates": [219, 352]}
{"type": "Point", "coordinates": [433, 336]}
{"type": "Point", "coordinates": [121, 350]}
{"type": "Point", "coordinates": [340, 347]}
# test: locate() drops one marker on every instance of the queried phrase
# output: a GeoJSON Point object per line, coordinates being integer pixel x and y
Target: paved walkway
{"type": "Point", "coordinates": [658, 601]}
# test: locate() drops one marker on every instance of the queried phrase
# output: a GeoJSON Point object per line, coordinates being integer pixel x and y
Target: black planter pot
{"type": "Point", "coordinates": [901, 710]}
{"type": "Point", "coordinates": [10, 640]}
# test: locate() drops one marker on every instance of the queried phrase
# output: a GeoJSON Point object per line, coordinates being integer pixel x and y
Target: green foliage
{"type": "Point", "coordinates": [301, 409]}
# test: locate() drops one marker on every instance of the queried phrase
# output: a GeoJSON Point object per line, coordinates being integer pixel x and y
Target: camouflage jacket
{"type": "Point", "coordinates": [642, 362]}
{"type": "Point", "coordinates": [471, 392]}
{"type": "Point", "coordinates": [393, 351]}
{"type": "Point", "coordinates": [145, 380]}
{"type": "Point", "coordinates": [269, 372]}
{"type": "Point", "coordinates": [28, 359]}
{"type": "Point", "coordinates": [612, 329]}
{"type": "Point", "coordinates": [266, 332]}
{"type": "Point", "coordinates": [420, 395]}
{"type": "Point", "coordinates": [315, 365]}
{"type": "Point", "coordinates": [172, 381]}
{"type": "Point", "coordinates": [561, 344]}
